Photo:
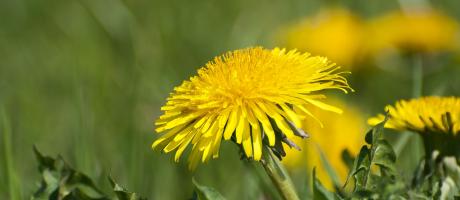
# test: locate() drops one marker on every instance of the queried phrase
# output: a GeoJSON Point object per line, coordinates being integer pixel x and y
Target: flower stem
{"type": "Point", "coordinates": [11, 176]}
{"type": "Point", "coordinates": [278, 175]}
{"type": "Point", "coordinates": [417, 76]}
{"type": "Point", "coordinates": [417, 91]}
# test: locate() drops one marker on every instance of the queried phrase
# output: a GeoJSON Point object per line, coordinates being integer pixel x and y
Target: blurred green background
{"type": "Point", "coordinates": [86, 79]}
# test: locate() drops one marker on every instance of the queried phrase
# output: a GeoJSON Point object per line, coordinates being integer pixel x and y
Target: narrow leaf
{"type": "Point", "coordinates": [329, 169]}
{"type": "Point", "coordinates": [206, 193]}
{"type": "Point", "coordinates": [384, 156]}
{"type": "Point", "coordinates": [320, 192]}
{"type": "Point", "coordinates": [122, 193]}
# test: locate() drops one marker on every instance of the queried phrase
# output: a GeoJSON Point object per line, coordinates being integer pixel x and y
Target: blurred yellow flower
{"type": "Point", "coordinates": [335, 33]}
{"type": "Point", "coordinates": [245, 95]}
{"type": "Point", "coordinates": [416, 31]}
{"type": "Point", "coordinates": [423, 115]}
{"type": "Point", "coordinates": [340, 132]}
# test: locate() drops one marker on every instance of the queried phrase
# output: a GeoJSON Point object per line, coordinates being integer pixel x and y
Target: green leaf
{"type": "Point", "coordinates": [376, 132]}
{"type": "Point", "coordinates": [379, 153]}
{"type": "Point", "coordinates": [206, 193]}
{"type": "Point", "coordinates": [448, 189]}
{"type": "Point", "coordinates": [384, 156]}
{"type": "Point", "coordinates": [60, 181]}
{"type": "Point", "coordinates": [452, 169]}
{"type": "Point", "coordinates": [360, 165]}
{"type": "Point", "coordinates": [122, 193]}
{"type": "Point", "coordinates": [44, 162]}
{"type": "Point", "coordinates": [369, 136]}
{"type": "Point", "coordinates": [450, 186]}
{"type": "Point", "coordinates": [320, 192]}
{"type": "Point", "coordinates": [362, 194]}
{"type": "Point", "coordinates": [347, 158]}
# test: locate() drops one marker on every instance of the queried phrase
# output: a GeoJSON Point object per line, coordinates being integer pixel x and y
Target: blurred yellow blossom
{"type": "Point", "coordinates": [245, 96]}
{"type": "Point", "coordinates": [336, 33]}
{"type": "Point", "coordinates": [340, 132]}
{"type": "Point", "coordinates": [414, 31]}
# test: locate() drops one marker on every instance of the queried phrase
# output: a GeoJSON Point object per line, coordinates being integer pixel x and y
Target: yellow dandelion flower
{"type": "Point", "coordinates": [416, 31]}
{"type": "Point", "coordinates": [426, 114]}
{"type": "Point", "coordinates": [340, 132]}
{"type": "Point", "coordinates": [251, 96]}
{"type": "Point", "coordinates": [335, 33]}
{"type": "Point", "coordinates": [436, 119]}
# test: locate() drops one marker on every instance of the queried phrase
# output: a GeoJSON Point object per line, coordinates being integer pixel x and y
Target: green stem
{"type": "Point", "coordinates": [278, 175]}
{"type": "Point", "coordinates": [408, 138]}
{"type": "Point", "coordinates": [417, 76]}
{"type": "Point", "coordinates": [9, 165]}
{"type": "Point", "coordinates": [260, 178]}
{"type": "Point", "coordinates": [401, 143]}
{"type": "Point", "coordinates": [417, 91]}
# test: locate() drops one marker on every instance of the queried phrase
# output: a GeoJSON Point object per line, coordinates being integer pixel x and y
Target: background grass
{"type": "Point", "coordinates": [86, 78]}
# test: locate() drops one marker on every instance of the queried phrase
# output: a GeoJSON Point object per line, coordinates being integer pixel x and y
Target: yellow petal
{"type": "Point", "coordinates": [223, 118]}
{"type": "Point", "coordinates": [279, 120]}
{"type": "Point", "coordinates": [247, 146]}
{"type": "Point", "coordinates": [217, 141]}
{"type": "Point", "coordinates": [241, 128]}
{"type": "Point", "coordinates": [206, 152]}
{"type": "Point", "coordinates": [201, 121]}
{"type": "Point", "coordinates": [306, 111]}
{"type": "Point", "coordinates": [231, 124]}
{"type": "Point", "coordinates": [208, 123]}
{"type": "Point", "coordinates": [166, 137]}
{"type": "Point", "coordinates": [250, 115]}
{"type": "Point", "coordinates": [193, 159]}
{"type": "Point", "coordinates": [174, 144]}
{"type": "Point", "coordinates": [257, 142]}
{"type": "Point", "coordinates": [325, 106]}
{"type": "Point", "coordinates": [169, 114]}
{"type": "Point", "coordinates": [183, 146]}
{"type": "Point", "coordinates": [292, 115]}
{"type": "Point", "coordinates": [262, 117]}
{"type": "Point", "coordinates": [212, 131]}
{"type": "Point", "coordinates": [182, 120]}
{"type": "Point", "coordinates": [285, 128]}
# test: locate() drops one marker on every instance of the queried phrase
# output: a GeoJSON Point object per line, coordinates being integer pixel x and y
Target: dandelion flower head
{"type": "Point", "coordinates": [426, 114]}
{"type": "Point", "coordinates": [336, 33]}
{"type": "Point", "coordinates": [415, 31]}
{"type": "Point", "coordinates": [251, 96]}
